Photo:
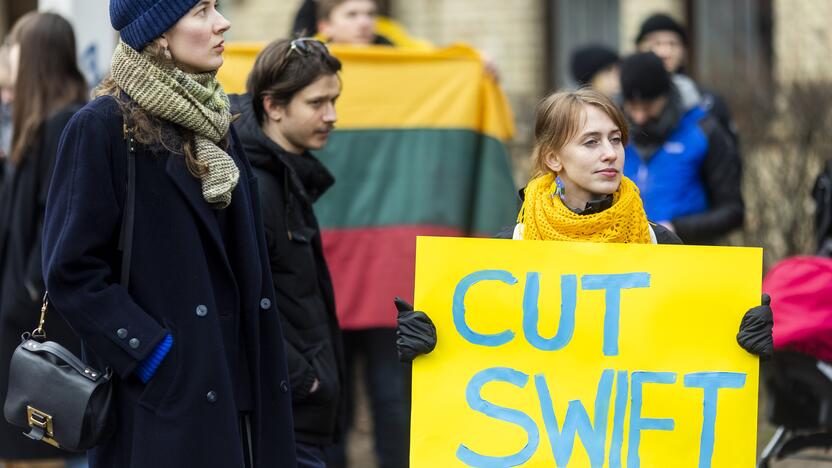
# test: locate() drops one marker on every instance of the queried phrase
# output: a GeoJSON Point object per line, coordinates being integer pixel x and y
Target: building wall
{"type": "Point", "coordinates": [512, 33]}
{"type": "Point", "coordinates": [260, 20]}
{"type": "Point", "coordinates": [802, 40]}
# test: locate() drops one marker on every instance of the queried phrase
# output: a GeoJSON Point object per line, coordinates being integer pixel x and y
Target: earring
{"type": "Point", "coordinates": [560, 189]}
{"type": "Point", "coordinates": [166, 51]}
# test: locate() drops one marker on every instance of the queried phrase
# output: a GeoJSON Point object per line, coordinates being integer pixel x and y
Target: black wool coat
{"type": "Point", "coordinates": [289, 185]}
{"type": "Point", "coordinates": [210, 288]}
{"type": "Point", "coordinates": [22, 204]}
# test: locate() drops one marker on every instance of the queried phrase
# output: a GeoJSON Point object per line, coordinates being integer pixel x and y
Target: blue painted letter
{"type": "Point", "coordinates": [475, 401]}
{"type": "Point", "coordinates": [637, 423]}
{"type": "Point", "coordinates": [496, 339]}
{"type": "Point", "coordinates": [621, 390]}
{"type": "Point", "coordinates": [711, 382]}
{"type": "Point", "coordinates": [613, 284]}
{"type": "Point", "coordinates": [577, 421]}
{"type": "Point", "coordinates": [566, 325]}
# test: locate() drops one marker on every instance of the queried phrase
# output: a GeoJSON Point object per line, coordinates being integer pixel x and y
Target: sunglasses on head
{"type": "Point", "coordinates": [306, 46]}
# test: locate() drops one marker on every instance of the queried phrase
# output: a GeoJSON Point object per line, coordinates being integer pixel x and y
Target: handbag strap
{"type": "Point", "coordinates": [125, 243]}
{"type": "Point", "coordinates": [125, 240]}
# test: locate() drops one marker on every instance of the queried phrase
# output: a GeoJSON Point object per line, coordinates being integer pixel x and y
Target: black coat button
{"type": "Point", "coordinates": [211, 396]}
{"type": "Point", "coordinates": [265, 303]}
{"type": "Point", "coordinates": [284, 386]}
{"type": "Point", "coordinates": [121, 333]}
{"type": "Point", "coordinates": [201, 310]}
{"type": "Point", "coordinates": [134, 343]}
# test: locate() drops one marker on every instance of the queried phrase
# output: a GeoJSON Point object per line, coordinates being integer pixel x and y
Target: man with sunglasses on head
{"type": "Point", "coordinates": [288, 110]}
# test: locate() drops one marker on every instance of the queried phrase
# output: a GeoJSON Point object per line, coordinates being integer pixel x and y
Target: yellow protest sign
{"type": "Point", "coordinates": [573, 354]}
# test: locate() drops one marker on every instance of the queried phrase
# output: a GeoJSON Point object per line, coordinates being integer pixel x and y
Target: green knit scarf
{"type": "Point", "coordinates": [194, 101]}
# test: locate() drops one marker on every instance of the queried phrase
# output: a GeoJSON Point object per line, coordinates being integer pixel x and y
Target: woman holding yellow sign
{"type": "Point", "coordinates": [578, 193]}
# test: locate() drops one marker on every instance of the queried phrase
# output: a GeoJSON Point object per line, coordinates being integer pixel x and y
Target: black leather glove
{"type": "Point", "coordinates": [755, 334]}
{"type": "Point", "coordinates": [415, 333]}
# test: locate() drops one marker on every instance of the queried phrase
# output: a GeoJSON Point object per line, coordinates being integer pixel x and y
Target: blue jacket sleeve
{"type": "Point", "coordinates": [80, 257]}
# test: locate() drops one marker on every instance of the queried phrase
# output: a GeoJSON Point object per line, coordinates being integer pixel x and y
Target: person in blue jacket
{"type": "Point", "coordinates": [194, 343]}
{"type": "Point", "coordinates": [684, 162]}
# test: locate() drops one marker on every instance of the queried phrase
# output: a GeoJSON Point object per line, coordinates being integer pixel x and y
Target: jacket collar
{"type": "Point", "coordinates": [308, 175]}
{"type": "Point", "coordinates": [593, 206]}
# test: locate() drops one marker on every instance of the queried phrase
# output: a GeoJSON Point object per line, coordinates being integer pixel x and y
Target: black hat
{"type": "Point", "coordinates": [643, 77]}
{"type": "Point", "coordinates": [660, 22]}
{"type": "Point", "coordinates": [589, 60]}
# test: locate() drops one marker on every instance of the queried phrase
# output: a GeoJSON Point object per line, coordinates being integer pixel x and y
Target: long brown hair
{"type": "Point", "coordinates": [149, 130]}
{"type": "Point", "coordinates": [47, 79]}
{"type": "Point", "coordinates": [560, 115]}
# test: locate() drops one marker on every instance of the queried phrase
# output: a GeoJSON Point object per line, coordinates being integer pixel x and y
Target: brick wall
{"type": "Point", "coordinates": [511, 32]}
{"type": "Point", "coordinates": [260, 20]}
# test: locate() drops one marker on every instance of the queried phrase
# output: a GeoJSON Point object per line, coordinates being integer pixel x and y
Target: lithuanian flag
{"type": "Point", "coordinates": [418, 150]}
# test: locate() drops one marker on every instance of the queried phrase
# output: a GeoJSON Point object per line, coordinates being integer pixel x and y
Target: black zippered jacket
{"type": "Point", "coordinates": [289, 184]}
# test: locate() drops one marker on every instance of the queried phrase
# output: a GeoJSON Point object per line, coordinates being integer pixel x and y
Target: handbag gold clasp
{"type": "Point", "coordinates": [38, 418]}
{"type": "Point", "coordinates": [40, 331]}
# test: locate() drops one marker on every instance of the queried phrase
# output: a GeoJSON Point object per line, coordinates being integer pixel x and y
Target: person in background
{"type": "Point", "coordinates": [349, 22]}
{"type": "Point", "coordinates": [578, 193]}
{"type": "Point", "coordinates": [194, 341]}
{"type": "Point", "coordinates": [49, 89]}
{"type": "Point", "coordinates": [681, 158]}
{"type": "Point", "coordinates": [288, 111]}
{"type": "Point", "coordinates": [596, 66]}
{"type": "Point", "coordinates": [305, 23]}
{"type": "Point", "coordinates": [357, 22]}
{"type": "Point", "coordinates": [668, 39]}
{"type": "Point", "coordinates": [6, 100]}
{"type": "Point", "coordinates": [353, 22]}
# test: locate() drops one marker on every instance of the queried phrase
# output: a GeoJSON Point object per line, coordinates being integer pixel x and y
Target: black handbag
{"type": "Point", "coordinates": [52, 393]}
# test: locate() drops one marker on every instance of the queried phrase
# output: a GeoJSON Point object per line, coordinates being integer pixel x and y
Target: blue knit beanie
{"type": "Point", "coordinates": [141, 21]}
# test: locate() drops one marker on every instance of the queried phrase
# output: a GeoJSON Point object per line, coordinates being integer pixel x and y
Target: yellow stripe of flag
{"type": "Point", "coordinates": [386, 87]}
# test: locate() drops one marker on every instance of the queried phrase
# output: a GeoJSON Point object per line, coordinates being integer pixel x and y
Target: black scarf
{"type": "Point", "coordinates": [649, 136]}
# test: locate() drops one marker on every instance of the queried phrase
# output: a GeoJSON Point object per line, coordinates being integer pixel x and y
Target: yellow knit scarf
{"type": "Point", "coordinates": [545, 217]}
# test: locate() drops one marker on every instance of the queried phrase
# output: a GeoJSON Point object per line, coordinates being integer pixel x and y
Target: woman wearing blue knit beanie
{"type": "Point", "coordinates": [154, 253]}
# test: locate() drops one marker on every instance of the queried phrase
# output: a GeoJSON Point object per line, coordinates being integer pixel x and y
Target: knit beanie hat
{"type": "Point", "coordinates": [141, 21]}
{"type": "Point", "coordinates": [660, 22]}
{"type": "Point", "coordinates": [589, 60]}
{"type": "Point", "coordinates": [643, 77]}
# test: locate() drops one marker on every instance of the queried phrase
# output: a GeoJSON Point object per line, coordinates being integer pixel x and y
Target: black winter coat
{"type": "Point", "coordinates": [197, 274]}
{"type": "Point", "coordinates": [289, 185]}
{"type": "Point", "coordinates": [22, 205]}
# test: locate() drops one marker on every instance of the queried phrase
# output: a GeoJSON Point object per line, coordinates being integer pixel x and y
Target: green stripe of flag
{"type": "Point", "coordinates": [443, 177]}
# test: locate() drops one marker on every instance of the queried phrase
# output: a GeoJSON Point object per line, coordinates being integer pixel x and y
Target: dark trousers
{"type": "Point", "coordinates": [310, 456]}
{"type": "Point", "coordinates": [388, 384]}
{"type": "Point", "coordinates": [245, 434]}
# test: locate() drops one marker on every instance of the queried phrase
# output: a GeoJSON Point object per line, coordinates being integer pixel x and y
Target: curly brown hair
{"type": "Point", "coordinates": [149, 130]}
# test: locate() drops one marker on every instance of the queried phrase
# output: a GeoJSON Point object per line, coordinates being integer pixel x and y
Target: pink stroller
{"type": "Point", "coordinates": [799, 377]}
